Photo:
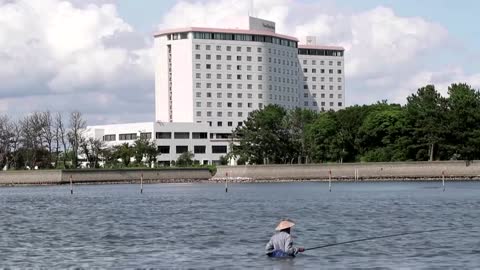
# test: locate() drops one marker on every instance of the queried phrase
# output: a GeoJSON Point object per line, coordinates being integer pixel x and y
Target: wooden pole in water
{"type": "Point", "coordinates": [141, 183]}
{"type": "Point", "coordinates": [71, 184]}
{"type": "Point", "coordinates": [443, 180]}
{"type": "Point", "coordinates": [226, 182]}
{"type": "Point", "coordinates": [330, 180]}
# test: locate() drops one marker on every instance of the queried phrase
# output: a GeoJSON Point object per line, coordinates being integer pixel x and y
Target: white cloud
{"type": "Point", "coordinates": [53, 47]}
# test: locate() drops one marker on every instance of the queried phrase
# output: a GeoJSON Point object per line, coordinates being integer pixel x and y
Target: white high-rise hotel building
{"type": "Point", "coordinates": [212, 78]}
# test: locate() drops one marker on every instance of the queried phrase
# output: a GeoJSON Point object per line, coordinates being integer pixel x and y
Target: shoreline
{"type": "Point", "coordinates": [352, 172]}
{"type": "Point", "coordinates": [221, 181]}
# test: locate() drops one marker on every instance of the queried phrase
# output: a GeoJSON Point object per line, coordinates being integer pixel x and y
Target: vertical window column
{"type": "Point", "coordinates": [170, 102]}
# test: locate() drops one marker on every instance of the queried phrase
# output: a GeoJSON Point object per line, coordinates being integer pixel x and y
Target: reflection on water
{"type": "Point", "coordinates": [114, 226]}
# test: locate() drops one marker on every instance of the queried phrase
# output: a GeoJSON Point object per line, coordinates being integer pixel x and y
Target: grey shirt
{"type": "Point", "coordinates": [281, 241]}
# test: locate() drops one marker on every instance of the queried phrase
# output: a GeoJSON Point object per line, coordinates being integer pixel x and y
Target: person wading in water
{"type": "Point", "coordinates": [281, 243]}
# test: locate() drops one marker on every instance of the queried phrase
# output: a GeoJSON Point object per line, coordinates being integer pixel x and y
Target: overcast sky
{"type": "Point", "coordinates": [95, 55]}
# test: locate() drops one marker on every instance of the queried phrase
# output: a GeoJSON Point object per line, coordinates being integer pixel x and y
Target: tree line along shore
{"type": "Point", "coordinates": [428, 127]}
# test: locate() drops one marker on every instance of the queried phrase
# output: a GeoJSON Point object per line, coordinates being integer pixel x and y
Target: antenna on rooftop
{"type": "Point", "coordinates": [252, 9]}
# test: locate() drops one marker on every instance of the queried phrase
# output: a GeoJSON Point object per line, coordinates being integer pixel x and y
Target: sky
{"type": "Point", "coordinates": [95, 56]}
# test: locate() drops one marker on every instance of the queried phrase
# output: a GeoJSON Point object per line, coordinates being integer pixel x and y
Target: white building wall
{"type": "Point", "coordinates": [210, 141]}
{"type": "Point", "coordinates": [323, 82]}
{"type": "Point", "coordinates": [233, 78]}
{"type": "Point", "coordinates": [161, 79]}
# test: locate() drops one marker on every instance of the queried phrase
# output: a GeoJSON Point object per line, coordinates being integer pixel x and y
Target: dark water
{"type": "Point", "coordinates": [200, 226]}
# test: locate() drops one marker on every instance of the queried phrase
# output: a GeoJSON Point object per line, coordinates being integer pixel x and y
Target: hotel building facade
{"type": "Point", "coordinates": [208, 80]}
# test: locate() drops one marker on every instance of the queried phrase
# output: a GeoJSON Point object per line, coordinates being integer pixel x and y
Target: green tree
{"type": "Point", "coordinates": [463, 118]}
{"type": "Point", "coordinates": [185, 159]}
{"type": "Point", "coordinates": [296, 122]}
{"type": "Point", "coordinates": [145, 149]}
{"type": "Point", "coordinates": [124, 152]}
{"type": "Point", "coordinates": [381, 132]}
{"type": "Point", "coordinates": [321, 136]}
{"type": "Point", "coordinates": [425, 113]}
{"type": "Point", "coordinates": [263, 138]}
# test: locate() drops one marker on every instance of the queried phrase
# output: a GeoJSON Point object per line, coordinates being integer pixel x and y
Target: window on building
{"type": "Point", "coordinates": [146, 135]}
{"type": "Point", "coordinates": [208, 57]}
{"type": "Point", "coordinates": [219, 149]}
{"type": "Point", "coordinates": [199, 113]}
{"type": "Point", "coordinates": [208, 66]}
{"type": "Point", "coordinates": [197, 47]}
{"type": "Point", "coordinates": [198, 104]}
{"type": "Point", "coordinates": [197, 66]}
{"type": "Point", "coordinates": [127, 137]}
{"type": "Point", "coordinates": [340, 104]}
{"type": "Point", "coordinates": [199, 135]}
{"type": "Point", "coordinates": [229, 48]}
{"type": "Point", "coordinates": [199, 149]}
{"type": "Point", "coordinates": [229, 123]}
{"type": "Point", "coordinates": [239, 49]}
{"type": "Point", "coordinates": [219, 48]}
{"type": "Point", "coordinates": [164, 149]}
{"type": "Point", "coordinates": [239, 58]}
{"type": "Point", "coordinates": [197, 56]}
{"type": "Point", "coordinates": [180, 149]}
{"type": "Point", "coordinates": [208, 47]}
{"type": "Point", "coordinates": [219, 123]}
{"type": "Point", "coordinates": [181, 135]}
{"type": "Point", "coordinates": [109, 138]}
{"type": "Point", "coordinates": [259, 59]}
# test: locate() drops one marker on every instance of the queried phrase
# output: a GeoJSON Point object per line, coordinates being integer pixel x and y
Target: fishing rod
{"type": "Point", "coordinates": [376, 237]}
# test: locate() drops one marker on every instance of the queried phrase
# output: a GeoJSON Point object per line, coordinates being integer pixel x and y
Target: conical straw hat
{"type": "Point", "coordinates": [284, 224]}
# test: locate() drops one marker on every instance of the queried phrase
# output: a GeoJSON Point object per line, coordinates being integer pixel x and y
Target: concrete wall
{"type": "Point", "coordinates": [89, 176]}
{"type": "Point", "coordinates": [52, 177]}
{"type": "Point", "coordinates": [30, 177]}
{"type": "Point", "coordinates": [366, 171]}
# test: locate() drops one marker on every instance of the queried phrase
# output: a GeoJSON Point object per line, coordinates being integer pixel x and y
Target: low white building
{"type": "Point", "coordinates": [172, 139]}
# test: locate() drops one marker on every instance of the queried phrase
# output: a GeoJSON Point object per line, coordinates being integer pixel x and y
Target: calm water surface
{"type": "Point", "coordinates": [201, 226]}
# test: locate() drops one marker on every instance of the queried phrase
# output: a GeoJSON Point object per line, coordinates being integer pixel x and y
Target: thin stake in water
{"type": "Point", "coordinates": [443, 180]}
{"type": "Point", "coordinates": [141, 183]}
{"type": "Point", "coordinates": [71, 184]}
{"type": "Point", "coordinates": [330, 180]}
